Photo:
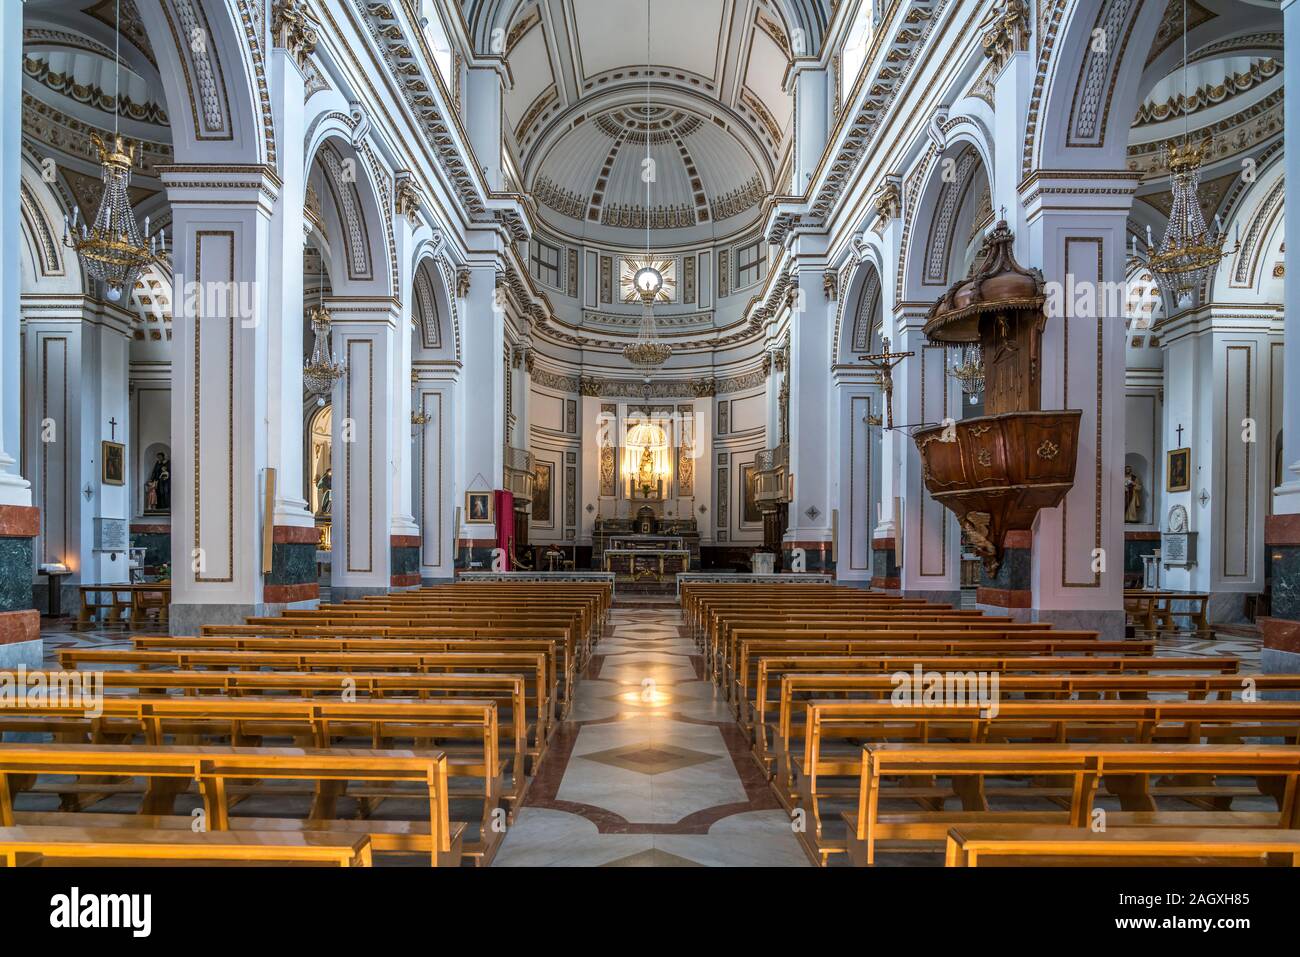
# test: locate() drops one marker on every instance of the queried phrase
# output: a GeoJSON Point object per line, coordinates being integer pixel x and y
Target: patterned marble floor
{"type": "Point", "coordinates": [650, 770]}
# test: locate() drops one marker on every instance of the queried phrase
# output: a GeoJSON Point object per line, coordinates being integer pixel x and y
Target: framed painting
{"type": "Point", "coordinates": [1178, 470]}
{"type": "Point", "coordinates": [478, 508]}
{"type": "Point", "coordinates": [112, 463]}
{"type": "Point", "coordinates": [542, 492]}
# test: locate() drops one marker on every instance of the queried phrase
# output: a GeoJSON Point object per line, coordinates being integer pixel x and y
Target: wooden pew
{"type": "Point", "coordinates": [466, 731]}
{"type": "Point", "coordinates": [37, 846]}
{"type": "Point", "coordinates": [750, 650]}
{"type": "Point", "coordinates": [797, 687]}
{"type": "Point", "coordinates": [1084, 766]}
{"type": "Point", "coordinates": [559, 675]}
{"type": "Point", "coordinates": [520, 740]}
{"type": "Point", "coordinates": [217, 769]}
{"type": "Point", "coordinates": [977, 845]}
{"type": "Point", "coordinates": [1153, 609]}
{"type": "Point", "coordinates": [533, 667]}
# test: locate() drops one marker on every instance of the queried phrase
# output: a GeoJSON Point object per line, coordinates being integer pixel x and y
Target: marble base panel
{"type": "Point", "coordinates": [1109, 624]}
{"type": "Point", "coordinates": [1227, 608]}
{"type": "Point", "coordinates": [69, 597]}
{"type": "Point", "coordinates": [349, 592]}
{"type": "Point", "coordinates": [884, 570]}
{"type": "Point", "coordinates": [29, 654]}
{"type": "Point", "coordinates": [1273, 661]}
{"type": "Point", "coordinates": [952, 597]}
{"type": "Point", "coordinates": [185, 619]}
{"type": "Point", "coordinates": [437, 581]}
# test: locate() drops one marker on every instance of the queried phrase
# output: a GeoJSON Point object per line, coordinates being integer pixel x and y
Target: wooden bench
{"type": "Point", "coordinates": [218, 769]}
{"type": "Point", "coordinates": [750, 650]}
{"type": "Point", "coordinates": [124, 603]}
{"type": "Point", "coordinates": [847, 724]}
{"type": "Point", "coordinates": [466, 732]}
{"type": "Point", "coordinates": [1083, 766]}
{"type": "Point", "coordinates": [976, 845]}
{"type": "Point", "coordinates": [797, 687]}
{"type": "Point", "coordinates": [532, 667]}
{"type": "Point", "coordinates": [1153, 609]}
{"type": "Point", "coordinates": [43, 846]}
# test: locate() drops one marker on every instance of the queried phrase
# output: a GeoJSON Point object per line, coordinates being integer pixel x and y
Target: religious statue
{"type": "Point", "coordinates": [158, 489]}
{"type": "Point", "coordinates": [1132, 496]}
{"type": "Point", "coordinates": [325, 486]}
{"type": "Point", "coordinates": [646, 472]}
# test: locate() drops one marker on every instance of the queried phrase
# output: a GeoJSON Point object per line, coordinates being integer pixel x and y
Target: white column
{"type": "Point", "coordinates": [482, 119]}
{"type": "Point", "coordinates": [285, 336]}
{"type": "Point", "coordinates": [364, 334]}
{"type": "Point", "coordinates": [891, 449]}
{"type": "Point", "coordinates": [480, 439]}
{"type": "Point", "coordinates": [1286, 499]}
{"type": "Point", "coordinates": [1215, 378]}
{"type": "Point", "coordinates": [1078, 553]}
{"type": "Point", "coordinates": [222, 262]}
{"type": "Point", "coordinates": [811, 90]}
{"type": "Point", "coordinates": [14, 490]}
{"type": "Point", "coordinates": [923, 393]}
{"type": "Point", "coordinates": [809, 524]}
{"type": "Point", "coordinates": [102, 393]}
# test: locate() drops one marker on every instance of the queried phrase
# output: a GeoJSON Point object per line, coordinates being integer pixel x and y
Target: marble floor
{"type": "Point", "coordinates": [650, 770]}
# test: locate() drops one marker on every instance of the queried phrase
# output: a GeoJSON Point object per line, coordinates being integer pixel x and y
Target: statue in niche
{"type": "Point", "coordinates": [325, 488]}
{"type": "Point", "coordinates": [1132, 496]}
{"type": "Point", "coordinates": [158, 489]}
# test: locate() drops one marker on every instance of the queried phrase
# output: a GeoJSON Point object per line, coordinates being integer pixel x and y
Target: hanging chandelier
{"type": "Point", "coordinates": [111, 247]}
{"type": "Point", "coordinates": [321, 371]}
{"type": "Point", "coordinates": [1188, 250]}
{"type": "Point", "coordinates": [967, 368]}
{"type": "Point", "coordinates": [648, 352]}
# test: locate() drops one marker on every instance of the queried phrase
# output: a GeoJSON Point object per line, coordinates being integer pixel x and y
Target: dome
{"type": "Point", "coordinates": [704, 179]}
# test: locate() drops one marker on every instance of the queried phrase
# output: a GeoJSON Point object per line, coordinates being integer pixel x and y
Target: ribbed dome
{"type": "Point", "coordinates": [702, 174]}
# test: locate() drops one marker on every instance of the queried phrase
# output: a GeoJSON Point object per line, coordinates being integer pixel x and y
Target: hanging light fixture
{"type": "Point", "coordinates": [967, 367]}
{"type": "Point", "coordinates": [1188, 250]}
{"type": "Point", "coordinates": [111, 247]}
{"type": "Point", "coordinates": [648, 351]}
{"type": "Point", "coordinates": [321, 371]}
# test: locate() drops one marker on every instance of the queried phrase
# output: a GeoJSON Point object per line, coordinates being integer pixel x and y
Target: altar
{"type": "Point", "coordinates": [649, 563]}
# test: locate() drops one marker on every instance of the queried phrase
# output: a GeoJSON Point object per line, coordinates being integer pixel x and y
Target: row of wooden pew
{"type": "Point", "coordinates": [409, 723]}
{"type": "Point", "coordinates": [891, 725]}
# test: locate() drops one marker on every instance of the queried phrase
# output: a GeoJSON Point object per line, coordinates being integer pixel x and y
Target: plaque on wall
{"type": "Point", "coordinates": [1178, 549]}
{"type": "Point", "coordinates": [111, 535]}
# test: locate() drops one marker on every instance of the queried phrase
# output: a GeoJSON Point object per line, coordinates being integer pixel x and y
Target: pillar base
{"type": "Point", "coordinates": [940, 596]}
{"type": "Point", "coordinates": [349, 592]}
{"type": "Point", "coordinates": [404, 557]}
{"type": "Point", "coordinates": [20, 639]}
{"type": "Point", "coordinates": [884, 570]}
{"type": "Point", "coordinates": [188, 619]}
{"type": "Point", "coordinates": [817, 556]}
{"type": "Point", "coordinates": [1108, 623]}
{"type": "Point", "coordinates": [293, 577]}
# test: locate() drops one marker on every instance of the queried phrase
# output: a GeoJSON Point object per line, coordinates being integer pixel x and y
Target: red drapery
{"type": "Point", "coordinates": [504, 504]}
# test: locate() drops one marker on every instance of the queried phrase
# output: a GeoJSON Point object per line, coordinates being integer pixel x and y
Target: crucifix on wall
{"type": "Point", "coordinates": [883, 363]}
{"type": "Point", "coordinates": [1179, 430]}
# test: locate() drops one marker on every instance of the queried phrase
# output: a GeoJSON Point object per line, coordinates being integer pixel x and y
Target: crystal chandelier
{"type": "Point", "coordinates": [1188, 250]}
{"type": "Point", "coordinates": [111, 247]}
{"type": "Point", "coordinates": [321, 371]}
{"type": "Point", "coordinates": [968, 368]}
{"type": "Point", "coordinates": [648, 351]}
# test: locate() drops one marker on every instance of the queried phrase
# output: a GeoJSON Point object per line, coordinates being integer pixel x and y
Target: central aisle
{"type": "Point", "coordinates": [650, 770]}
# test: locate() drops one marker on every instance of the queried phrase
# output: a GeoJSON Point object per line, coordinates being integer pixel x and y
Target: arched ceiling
{"type": "Point", "coordinates": [719, 117]}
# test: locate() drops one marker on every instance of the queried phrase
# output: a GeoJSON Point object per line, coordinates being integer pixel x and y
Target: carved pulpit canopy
{"type": "Point", "coordinates": [996, 283]}
{"type": "Point", "coordinates": [996, 471]}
